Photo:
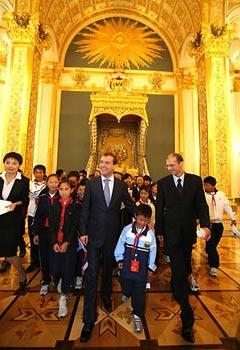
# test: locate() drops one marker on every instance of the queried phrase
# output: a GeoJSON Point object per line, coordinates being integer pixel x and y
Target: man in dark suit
{"type": "Point", "coordinates": [180, 201]}
{"type": "Point", "coordinates": [100, 225]}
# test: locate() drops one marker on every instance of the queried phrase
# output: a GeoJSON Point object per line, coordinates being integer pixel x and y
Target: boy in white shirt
{"type": "Point", "coordinates": [36, 186]}
{"type": "Point", "coordinates": [217, 203]}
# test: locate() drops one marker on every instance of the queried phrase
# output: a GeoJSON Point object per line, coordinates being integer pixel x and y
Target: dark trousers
{"type": "Point", "coordinates": [91, 279]}
{"type": "Point", "coordinates": [63, 266]}
{"type": "Point", "coordinates": [21, 242]}
{"type": "Point", "coordinates": [179, 262]}
{"type": "Point", "coordinates": [34, 250]}
{"type": "Point", "coordinates": [135, 290]}
{"type": "Point", "coordinates": [211, 245]}
{"type": "Point", "coordinates": [44, 250]}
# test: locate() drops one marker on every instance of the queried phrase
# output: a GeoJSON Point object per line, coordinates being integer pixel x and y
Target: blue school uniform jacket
{"type": "Point", "coordinates": [145, 252]}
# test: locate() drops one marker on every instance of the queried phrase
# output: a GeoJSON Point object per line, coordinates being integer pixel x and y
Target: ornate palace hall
{"type": "Point", "coordinates": [139, 79]}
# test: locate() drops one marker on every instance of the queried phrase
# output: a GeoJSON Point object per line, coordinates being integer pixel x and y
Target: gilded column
{"type": "Point", "coordinates": [234, 112]}
{"type": "Point", "coordinates": [190, 127]}
{"type": "Point", "coordinates": [211, 48]}
{"type": "Point", "coordinates": [22, 31]}
{"type": "Point", "coordinates": [46, 112]}
{"type": "Point", "coordinates": [216, 47]}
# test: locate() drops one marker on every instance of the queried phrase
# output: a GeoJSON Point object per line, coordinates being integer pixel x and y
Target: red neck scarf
{"type": "Point", "coordinates": [64, 207]}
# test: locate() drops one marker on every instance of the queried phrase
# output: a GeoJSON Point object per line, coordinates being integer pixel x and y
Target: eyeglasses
{"type": "Point", "coordinates": [170, 165]}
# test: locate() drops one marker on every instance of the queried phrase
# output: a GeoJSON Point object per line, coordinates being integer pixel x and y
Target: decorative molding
{"type": "Point", "coordinates": [119, 105]}
{"type": "Point", "coordinates": [50, 75]}
{"type": "Point", "coordinates": [236, 84]}
{"type": "Point", "coordinates": [80, 76]}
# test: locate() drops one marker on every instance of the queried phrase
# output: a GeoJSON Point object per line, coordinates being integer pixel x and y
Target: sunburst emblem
{"type": "Point", "coordinates": [119, 44]}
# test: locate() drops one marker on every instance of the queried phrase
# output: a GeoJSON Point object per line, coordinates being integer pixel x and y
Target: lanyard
{"type": "Point", "coordinates": [135, 243]}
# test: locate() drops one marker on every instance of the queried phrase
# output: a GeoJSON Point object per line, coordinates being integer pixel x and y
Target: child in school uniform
{"type": "Point", "coordinates": [135, 254]}
{"type": "Point", "coordinates": [41, 228]}
{"type": "Point", "coordinates": [217, 203]}
{"type": "Point", "coordinates": [63, 227]}
{"type": "Point", "coordinates": [144, 193]}
{"type": "Point", "coordinates": [35, 188]}
{"type": "Point", "coordinates": [81, 252]}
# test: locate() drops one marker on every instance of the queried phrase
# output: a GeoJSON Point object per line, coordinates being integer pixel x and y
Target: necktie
{"type": "Point", "coordinates": [107, 192]}
{"type": "Point", "coordinates": [179, 186]}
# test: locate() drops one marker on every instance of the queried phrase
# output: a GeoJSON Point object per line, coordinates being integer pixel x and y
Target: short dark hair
{"type": "Point", "coordinates": [59, 172]}
{"type": "Point", "coordinates": [106, 154]}
{"type": "Point", "coordinates": [153, 184]}
{"type": "Point", "coordinates": [66, 182]}
{"type": "Point", "coordinates": [83, 182]}
{"type": "Point", "coordinates": [52, 175]}
{"type": "Point", "coordinates": [83, 171]}
{"type": "Point", "coordinates": [40, 167]}
{"type": "Point", "coordinates": [14, 155]}
{"type": "Point", "coordinates": [73, 173]}
{"type": "Point", "coordinates": [210, 180]}
{"type": "Point", "coordinates": [126, 176]}
{"type": "Point", "coordinates": [145, 210]}
{"type": "Point", "coordinates": [147, 178]}
{"type": "Point", "coordinates": [178, 156]}
{"type": "Point", "coordinates": [145, 188]}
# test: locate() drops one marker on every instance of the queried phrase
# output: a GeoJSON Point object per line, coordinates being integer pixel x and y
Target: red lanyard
{"type": "Point", "coordinates": [135, 243]}
{"type": "Point", "coordinates": [64, 207]}
{"type": "Point", "coordinates": [213, 199]}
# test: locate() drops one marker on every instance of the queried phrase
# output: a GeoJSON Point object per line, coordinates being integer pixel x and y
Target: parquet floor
{"type": "Point", "coordinates": [30, 321]}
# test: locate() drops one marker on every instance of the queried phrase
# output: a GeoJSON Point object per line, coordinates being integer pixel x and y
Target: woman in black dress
{"type": "Point", "coordinates": [14, 187]}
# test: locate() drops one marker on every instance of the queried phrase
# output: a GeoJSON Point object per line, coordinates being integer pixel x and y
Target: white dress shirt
{"type": "Point", "coordinates": [218, 203]}
{"type": "Point", "coordinates": [111, 183]}
{"type": "Point", "coordinates": [35, 189]}
{"type": "Point", "coordinates": [7, 187]}
{"type": "Point", "coordinates": [175, 178]}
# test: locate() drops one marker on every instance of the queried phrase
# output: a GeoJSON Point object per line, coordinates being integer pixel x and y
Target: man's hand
{"type": "Point", "coordinates": [36, 240]}
{"type": "Point", "coordinates": [234, 222]}
{"type": "Point", "coordinates": [160, 239]}
{"type": "Point", "coordinates": [12, 206]}
{"type": "Point", "coordinates": [84, 239]}
{"type": "Point", "coordinates": [63, 247]}
{"type": "Point", "coordinates": [56, 248]}
{"type": "Point", "coordinates": [207, 233]}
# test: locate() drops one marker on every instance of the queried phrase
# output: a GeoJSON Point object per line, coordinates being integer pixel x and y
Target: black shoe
{"type": "Point", "coordinates": [31, 268]}
{"type": "Point", "coordinates": [107, 305]}
{"type": "Point", "coordinates": [187, 334]}
{"type": "Point", "coordinates": [22, 288]}
{"type": "Point", "coordinates": [86, 333]}
{"type": "Point", "coordinates": [5, 266]}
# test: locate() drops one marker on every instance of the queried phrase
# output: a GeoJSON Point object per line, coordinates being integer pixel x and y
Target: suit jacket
{"type": "Point", "coordinates": [99, 222]}
{"type": "Point", "coordinates": [43, 211]}
{"type": "Point", "coordinates": [70, 226]}
{"type": "Point", "coordinates": [176, 215]}
{"type": "Point", "coordinates": [19, 192]}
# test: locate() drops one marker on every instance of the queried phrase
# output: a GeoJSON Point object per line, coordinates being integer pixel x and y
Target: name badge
{"type": "Point", "coordinates": [134, 266]}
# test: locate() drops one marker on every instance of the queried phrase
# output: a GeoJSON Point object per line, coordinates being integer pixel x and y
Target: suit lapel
{"type": "Point", "coordinates": [173, 186]}
{"type": "Point", "coordinates": [15, 186]}
{"type": "Point", "coordinates": [115, 187]}
{"type": "Point", "coordinates": [100, 188]}
{"type": "Point", "coordinates": [185, 184]}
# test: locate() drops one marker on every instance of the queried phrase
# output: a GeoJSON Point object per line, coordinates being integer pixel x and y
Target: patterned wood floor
{"type": "Point", "coordinates": [31, 321]}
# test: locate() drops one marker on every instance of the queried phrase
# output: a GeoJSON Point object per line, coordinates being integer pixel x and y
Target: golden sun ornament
{"type": "Point", "coordinates": [119, 44]}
